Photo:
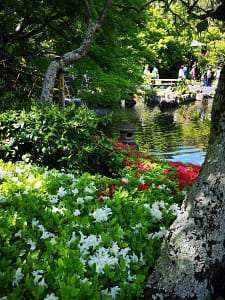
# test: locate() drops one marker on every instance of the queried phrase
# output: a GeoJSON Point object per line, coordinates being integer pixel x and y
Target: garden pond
{"type": "Point", "coordinates": [175, 134]}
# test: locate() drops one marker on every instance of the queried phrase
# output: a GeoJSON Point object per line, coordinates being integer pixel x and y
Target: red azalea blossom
{"type": "Point", "coordinates": [137, 153]}
{"type": "Point", "coordinates": [127, 163]}
{"type": "Point", "coordinates": [123, 182]}
{"type": "Point", "coordinates": [187, 174]}
{"type": "Point", "coordinates": [136, 174]}
{"type": "Point", "coordinates": [143, 186]}
{"type": "Point", "coordinates": [130, 153]}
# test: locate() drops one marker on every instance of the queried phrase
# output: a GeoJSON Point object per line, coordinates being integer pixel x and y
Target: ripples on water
{"type": "Point", "coordinates": [167, 135]}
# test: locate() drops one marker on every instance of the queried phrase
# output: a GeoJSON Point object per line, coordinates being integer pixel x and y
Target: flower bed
{"type": "Point", "coordinates": [86, 237]}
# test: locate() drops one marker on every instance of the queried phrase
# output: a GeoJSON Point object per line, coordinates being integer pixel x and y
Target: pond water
{"type": "Point", "coordinates": [178, 135]}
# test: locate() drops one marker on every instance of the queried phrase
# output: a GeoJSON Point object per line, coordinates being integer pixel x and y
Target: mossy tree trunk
{"type": "Point", "coordinates": [194, 247]}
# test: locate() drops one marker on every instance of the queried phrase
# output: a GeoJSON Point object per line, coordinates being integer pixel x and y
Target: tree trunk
{"type": "Point", "coordinates": [75, 55]}
{"type": "Point", "coordinates": [194, 247]}
{"type": "Point", "coordinates": [68, 58]}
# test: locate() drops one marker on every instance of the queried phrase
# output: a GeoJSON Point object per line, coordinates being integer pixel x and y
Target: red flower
{"type": "Point", "coordinates": [143, 186]}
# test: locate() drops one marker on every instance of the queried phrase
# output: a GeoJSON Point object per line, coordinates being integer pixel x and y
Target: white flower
{"type": "Point", "coordinates": [141, 180]}
{"type": "Point", "coordinates": [35, 222]}
{"type": "Point", "coordinates": [18, 233]}
{"type": "Point", "coordinates": [175, 208]}
{"type": "Point", "coordinates": [32, 244]}
{"type": "Point", "coordinates": [90, 190]}
{"type": "Point", "coordinates": [102, 258]}
{"type": "Point", "coordinates": [53, 199]}
{"type": "Point", "coordinates": [112, 292]}
{"type": "Point", "coordinates": [73, 238]}
{"type": "Point", "coordinates": [80, 200]}
{"type": "Point", "coordinates": [38, 278]}
{"type": "Point", "coordinates": [136, 227]}
{"type": "Point", "coordinates": [88, 197]}
{"type": "Point", "coordinates": [160, 234]}
{"type": "Point", "coordinates": [59, 210]}
{"type": "Point", "coordinates": [18, 277]}
{"type": "Point", "coordinates": [53, 241]}
{"type": "Point", "coordinates": [62, 191]}
{"type": "Point", "coordinates": [51, 296]}
{"type": "Point", "coordinates": [76, 212]}
{"type": "Point", "coordinates": [46, 235]}
{"type": "Point", "coordinates": [101, 214]}
{"type": "Point", "coordinates": [124, 179]}
{"type": "Point", "coordinates": [155, 209]}
{"type": "Point", "coordinates": [75, 191]}
{"type": "Point", "coordinates": [87, 242]}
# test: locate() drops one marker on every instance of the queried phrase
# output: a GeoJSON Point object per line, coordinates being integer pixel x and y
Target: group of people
{"type": "Point", "coordinates": [184, 72]}
{"type": "Point", "coordinates": [154, 72]}
{"type": "Point", "coordinates": [208, 76]}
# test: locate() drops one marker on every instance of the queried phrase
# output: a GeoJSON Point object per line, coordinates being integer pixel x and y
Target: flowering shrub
{"type": "Point", "coordinates": [86, 237]}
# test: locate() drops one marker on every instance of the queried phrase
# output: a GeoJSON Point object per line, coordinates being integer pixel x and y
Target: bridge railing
{"type": "Point", "coordinates": [164, 82]}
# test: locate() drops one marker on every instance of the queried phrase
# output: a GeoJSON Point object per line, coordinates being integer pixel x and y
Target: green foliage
{"type": "Point", "coordinates": [84, 237]}
{"type": "Point", "coordinates": [69, 139]}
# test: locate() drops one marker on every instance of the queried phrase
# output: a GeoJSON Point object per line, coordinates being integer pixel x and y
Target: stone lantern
{"type": "Point", "coordinates": [126, 134]}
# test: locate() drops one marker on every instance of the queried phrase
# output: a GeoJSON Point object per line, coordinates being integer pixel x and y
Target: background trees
{"type": "Point", "coordinates": [36, 32]}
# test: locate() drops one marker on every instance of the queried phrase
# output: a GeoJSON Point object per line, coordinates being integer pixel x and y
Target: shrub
{"type": "Point", "coordinates": [69, 139]}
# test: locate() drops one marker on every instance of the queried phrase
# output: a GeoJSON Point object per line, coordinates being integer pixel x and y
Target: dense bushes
{"type": "Point", "coordinates": [69, 139]}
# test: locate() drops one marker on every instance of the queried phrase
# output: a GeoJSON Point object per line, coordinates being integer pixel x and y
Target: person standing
{"type": "Point", "coordinates": [185, 70]}
{"type": "Point", "coordinates": [209, 76]}
{"type": "Point", "coordinates": [155, 73]}
{"type": "Point", "coordinates": [193, 72]}
{"type": "Point", "coordinates": [181, 73]}
{"type": "Point", "coordinates": [146, 70]}
{"type": "Point", "coordinates": [217, 74]}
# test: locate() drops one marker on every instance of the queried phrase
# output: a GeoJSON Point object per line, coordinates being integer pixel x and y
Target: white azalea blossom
{"type": "Point", "coordinates": [141, 180]}
{"type": "Point", "coordinates": [112, 292]}
{"type": "Point", "coordinates": [38, 278]}
{"type": "Point", "coordinates": [87, 242]}
{"type": "Point", "coordinates": [175, 208]}
{"type": "Point", "coordinates": [101, 258]}
{"type": "Point", "coordinates": [53, 199]}
{"type": "Point", "coordinates": [59, 210]}
{"type": "Point", "coordinates": [18, 233]}
{"type": "Point", "coordinates": [73, 238]}
{"type": "Point", "coordinates": [32, 244]}
{"type": "Point", "coordinates": [62, 191]}
{"type": "Point", "coordinates": [76, 212]}
{"type": "Point", "coordinates": [101, 214]}
{"type": "Point", "coordinates": [160, 234]}
{"type": "Point", "coordinates": [90, 190]}
{"type": "Point", "coordinates": [80, 200]}
{"type": "Point", "coordinates": [53, 241]}
{"type": "Point", "coordinates": [124, 179]}
{"type": "Point", "coordinates": [75, 191]}
{"type": "Point", "coordinates": [18, 277]}
{"type": "Point", "coordinates": [51, 296]}
{"type": "Point", "coordinates": [45, 233]}
{"type": "Point", "coordinates": [155, 209]}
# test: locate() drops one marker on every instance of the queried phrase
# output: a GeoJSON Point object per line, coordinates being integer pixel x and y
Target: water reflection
{"type": "Point", "coordinates": [175, 134]}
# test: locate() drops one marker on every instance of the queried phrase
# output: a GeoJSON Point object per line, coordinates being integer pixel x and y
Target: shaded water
{"type": "Point", "coordinates": [172, 135]}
